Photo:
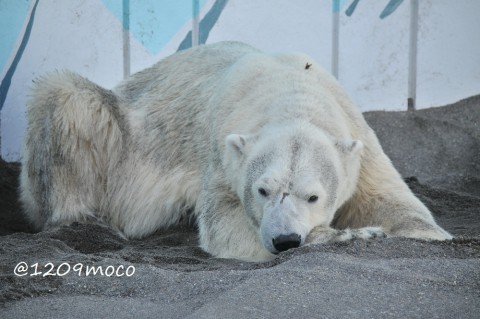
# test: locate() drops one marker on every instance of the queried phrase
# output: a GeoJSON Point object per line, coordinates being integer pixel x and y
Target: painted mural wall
{"type": "Point", "coordinates": [105, 40]}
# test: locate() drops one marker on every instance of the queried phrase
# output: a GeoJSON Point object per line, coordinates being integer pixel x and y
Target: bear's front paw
{"type": "Point", "coordinates": [323, 235]}
{"type": "Point", "coordinates": [367, 233]}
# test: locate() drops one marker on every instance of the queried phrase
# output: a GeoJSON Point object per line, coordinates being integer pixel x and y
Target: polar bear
{"type": "Point", "coordinates": [267, 150]}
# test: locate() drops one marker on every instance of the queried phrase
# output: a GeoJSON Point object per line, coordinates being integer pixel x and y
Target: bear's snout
{"type": "Point", "coordinates": [285, 242]}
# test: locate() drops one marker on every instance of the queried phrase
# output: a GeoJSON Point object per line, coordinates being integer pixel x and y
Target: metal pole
{"type": "Point", "coordinates": [195, 22]}
{"type": "Point", "coordinates": [126, 37]}
{"type": "Point", "coordinates": [412, 56]}
{"type": "Point", "coordinates": [335, 36]}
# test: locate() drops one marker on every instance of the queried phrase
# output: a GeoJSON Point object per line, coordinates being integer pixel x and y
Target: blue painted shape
{"type": "Point", "coordinates": [351, 8]}
{"type": "Point", "coordinates": [337, 5]}
{"type": "Point", "coordinates": [196, 8]}
{"type": "Point", "coordinates": [154, 23]}
{"type": "Point", "coordinates": [13, 14]}
{"type": "Point", "coordinates": [205, 26]}
{"type": "Point", "coordinates": [126, 14]}
{"type": "Point", "coordinates": [390, 8]}
{"type": "Point", "coordinates": [7, 80]}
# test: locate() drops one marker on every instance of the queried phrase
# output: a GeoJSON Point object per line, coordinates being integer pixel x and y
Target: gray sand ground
{"type": "Point", "coordinates": [437, 150]}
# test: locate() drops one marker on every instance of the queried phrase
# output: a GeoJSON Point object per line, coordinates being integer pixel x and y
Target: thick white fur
{"type": "Point", "coordinates": [187, 134]}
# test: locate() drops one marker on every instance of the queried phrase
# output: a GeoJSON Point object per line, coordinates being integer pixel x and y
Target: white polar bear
{"type": "Point", "coordinates": [267, 150]}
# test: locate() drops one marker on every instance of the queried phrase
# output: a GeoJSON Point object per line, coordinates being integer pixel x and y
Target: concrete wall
{"type": "Point", "coordinates": [106, 39]}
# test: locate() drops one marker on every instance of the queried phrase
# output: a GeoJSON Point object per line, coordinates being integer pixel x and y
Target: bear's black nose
{"type": "Point", "coordinates": [285, 242]}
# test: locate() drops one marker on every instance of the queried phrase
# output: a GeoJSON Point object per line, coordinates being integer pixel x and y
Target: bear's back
{"type": "Point", "coordinates": [187, 71]}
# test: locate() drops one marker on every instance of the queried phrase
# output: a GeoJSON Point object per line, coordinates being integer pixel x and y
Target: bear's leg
{"type": "Point", "coordinates": [323, 235]}
{"type": "Point", "coordinates": [73, 139]}
{"type": "Point", "coordinates": [225, 231]}
{"type": "Point", "coordinates": [402, 215]}
{"type": "Point", "coordinates": [383, 199]}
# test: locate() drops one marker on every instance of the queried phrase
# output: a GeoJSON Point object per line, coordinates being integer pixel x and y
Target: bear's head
{"type": "Point", "coordinates": [291, 179]}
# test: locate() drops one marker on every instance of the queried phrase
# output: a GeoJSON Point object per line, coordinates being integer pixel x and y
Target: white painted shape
{"type": "Point", "coordinates": [374, 56]}
{"type": "Point", "coordinates": [448, 51]}
{"type": "Point", "coordinates": [278, 26]}
{"type": "Point", "coordinates": [71, 35]}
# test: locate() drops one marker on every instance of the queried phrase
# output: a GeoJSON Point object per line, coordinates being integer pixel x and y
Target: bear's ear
{"type": "Point", "coordinates": [349, 146]}
{"type": "Point", "coordinates": [236, 143]}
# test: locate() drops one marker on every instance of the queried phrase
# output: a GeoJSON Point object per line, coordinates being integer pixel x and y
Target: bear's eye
{"type": "Point", "coordinates": [262, 192]}
{"type": "Point", "coordinates": [313, 199]}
